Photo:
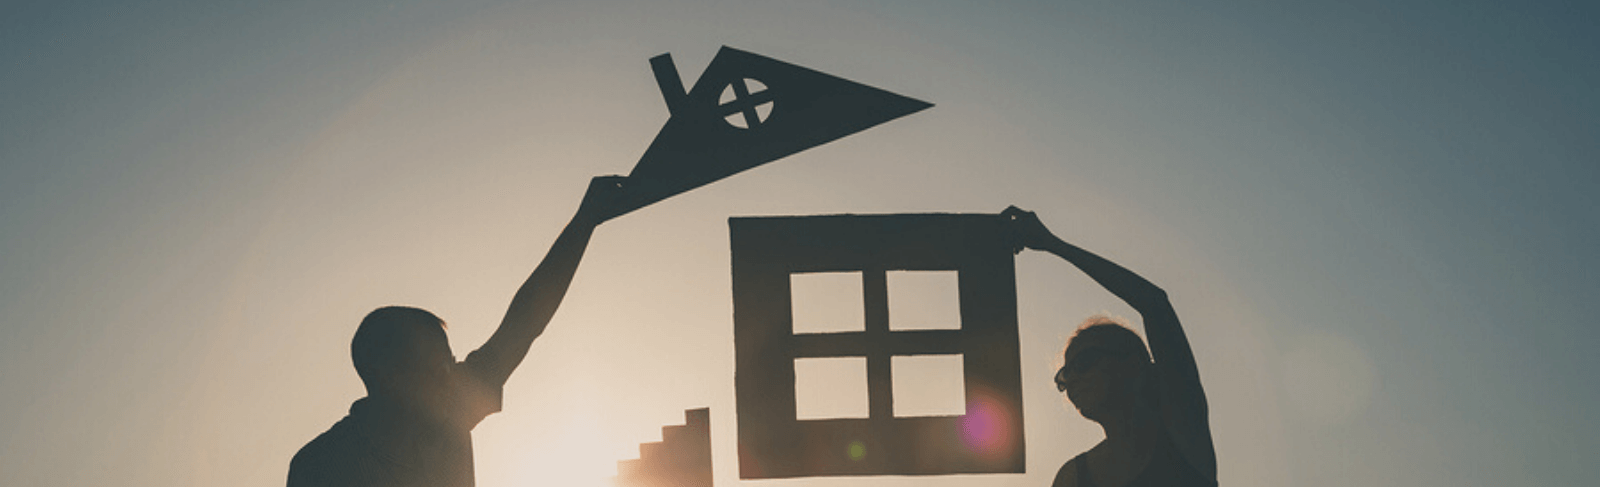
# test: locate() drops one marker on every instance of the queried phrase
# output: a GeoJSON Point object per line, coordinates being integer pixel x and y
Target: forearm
{"type": "Point", "coordinates": [1169, 346]}
{"type": "Point", "coordinates": [537, 300]}
{"type": "Point", "coordinates": [1139, 293]}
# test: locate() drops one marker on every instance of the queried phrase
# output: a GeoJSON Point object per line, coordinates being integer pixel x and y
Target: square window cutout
{"type": "Point", "coordinates": [924, 300]}
{"type": "Point", "coordinates": [827, 302]}
{"type": "Point", "coordinates": [829, 388]}
{"type": "Point", "coordinates": [928, 385]}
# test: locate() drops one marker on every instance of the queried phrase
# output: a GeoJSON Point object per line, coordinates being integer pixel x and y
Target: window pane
{"type": "Point", "coordinates": [833, 387]}
{"type": "Point", "coordinates": [924, 300]}
{"type": "Point", "coordinates": [826, 302]}
{"type": "Point", "coordinates": [928, 385]}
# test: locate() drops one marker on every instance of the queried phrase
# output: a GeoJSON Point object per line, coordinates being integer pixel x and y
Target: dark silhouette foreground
{"type": "Point", "coordinates": [1153, 411]}
{"type": "Point", "coordinates": [746, 110]}
{"type": "Point", "coordinates": [414, 428]}
{"type": "Point", "coordinates": [775, 443]}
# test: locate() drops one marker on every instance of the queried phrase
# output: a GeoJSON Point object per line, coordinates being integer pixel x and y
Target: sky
{"type": "Point", "coordinates": [1375, 219]}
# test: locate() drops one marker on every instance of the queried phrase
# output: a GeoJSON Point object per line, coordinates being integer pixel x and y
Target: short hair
{"type": "Point", "coordinates": [1107, 331]}
{"type": "Point", "coordinates": [378, 347]}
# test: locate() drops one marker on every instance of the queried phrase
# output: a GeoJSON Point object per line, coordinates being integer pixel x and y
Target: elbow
{"type": "Point", "coordinates": [1159, 296]}
{"type": "Point", "coordinates": [1153, 300]}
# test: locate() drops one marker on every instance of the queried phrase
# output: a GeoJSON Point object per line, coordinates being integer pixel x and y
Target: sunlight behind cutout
{"type": "Point", "coordinates": [827, 302]}
{"type": "Point", "coordinates": [924, 300]}
{"type": "Point", "coordinates": [928, 385]}
{"type": "Point", "coordinates": [833, 387]}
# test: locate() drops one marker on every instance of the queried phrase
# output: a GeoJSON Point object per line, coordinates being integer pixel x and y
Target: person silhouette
{"type": "Point", "coordinates": [1153, 411]}
{"type": "Point", "coordinates": [414, 427]}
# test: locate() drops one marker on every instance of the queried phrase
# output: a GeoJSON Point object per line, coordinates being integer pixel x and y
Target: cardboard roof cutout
{"type": "Point", "coordinates": [747, 110]}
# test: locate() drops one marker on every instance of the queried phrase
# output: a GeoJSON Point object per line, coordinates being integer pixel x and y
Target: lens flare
{"type": "Point", "coordinates": [986, 429]}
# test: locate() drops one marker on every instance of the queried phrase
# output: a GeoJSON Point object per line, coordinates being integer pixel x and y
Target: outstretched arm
{"type": "Point", "coordinates": [1168, 345]}
{"type": "Point", "coordinates": [1183, 399]}
{"type": "Point", "coordinates": [536, 301]}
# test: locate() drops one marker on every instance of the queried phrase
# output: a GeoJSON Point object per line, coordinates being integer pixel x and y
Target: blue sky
{"type": "Point", "coordinates": [1375, 219]}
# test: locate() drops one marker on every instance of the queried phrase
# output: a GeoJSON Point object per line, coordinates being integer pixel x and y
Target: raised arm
{"type": "Point", "coordinates": [1183, 399]}
{"type": "Point", "coordinates": [536, 301]}
{"type": "Point", "coordinates": [1168, 345]}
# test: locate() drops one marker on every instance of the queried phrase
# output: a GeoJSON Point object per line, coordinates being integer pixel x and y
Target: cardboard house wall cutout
{"type": "Point", "coordinates": [773, 443]}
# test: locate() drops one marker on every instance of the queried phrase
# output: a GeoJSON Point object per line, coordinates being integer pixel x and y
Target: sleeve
{"type": "Point", "coordinates": [478, 395]}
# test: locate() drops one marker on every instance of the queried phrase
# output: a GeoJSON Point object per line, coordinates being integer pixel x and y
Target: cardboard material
{"type": "Point", "coordinates": [774, 443]}
{"type": "Point", "coordinates": [786, 109]}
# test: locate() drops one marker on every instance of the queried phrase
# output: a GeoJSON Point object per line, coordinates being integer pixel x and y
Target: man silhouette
{"type": "Point", "coordinates": [414, 428]}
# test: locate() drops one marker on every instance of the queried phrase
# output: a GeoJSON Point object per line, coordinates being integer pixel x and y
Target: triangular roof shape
{"type": "Point", "coordinates": [746, 110]}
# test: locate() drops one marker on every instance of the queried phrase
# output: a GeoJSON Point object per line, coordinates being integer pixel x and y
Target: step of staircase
{"type": "Point", "coordinates": [681, 459]}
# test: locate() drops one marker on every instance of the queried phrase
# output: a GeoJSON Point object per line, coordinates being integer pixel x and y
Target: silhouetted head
{"type": "Point", "coordinates": [401, 351]}
{"type": "Point", "coordinates": [1105, 367]}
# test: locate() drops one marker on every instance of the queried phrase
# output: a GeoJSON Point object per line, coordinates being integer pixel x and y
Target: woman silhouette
{"type": "Point", "coordinates": [1153, 411]}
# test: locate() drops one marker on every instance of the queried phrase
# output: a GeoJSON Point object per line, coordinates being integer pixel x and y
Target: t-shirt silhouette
{"type": "Point", "coordinates": [385, 442]}
{"type": "Point", "coordinates": [1167, 468]}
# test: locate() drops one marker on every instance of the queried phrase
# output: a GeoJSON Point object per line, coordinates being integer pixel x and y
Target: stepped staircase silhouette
{"type": "Point", "coordinates": [681, 459]}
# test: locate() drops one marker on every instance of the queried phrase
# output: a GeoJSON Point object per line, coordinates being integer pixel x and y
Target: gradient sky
{"type": "Point", "coordinates": [1376, 219]}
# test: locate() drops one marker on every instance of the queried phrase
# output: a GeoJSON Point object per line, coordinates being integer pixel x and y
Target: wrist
{"type": "Point", "coordinates": [1049, 243]}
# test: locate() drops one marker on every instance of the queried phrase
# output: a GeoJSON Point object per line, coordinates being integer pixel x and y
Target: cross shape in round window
{"type": "Point", "coordinates": [745, 103]}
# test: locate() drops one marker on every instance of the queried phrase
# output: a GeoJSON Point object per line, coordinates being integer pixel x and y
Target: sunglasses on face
{"type": "Point", "coordinates": [1082, 362]}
